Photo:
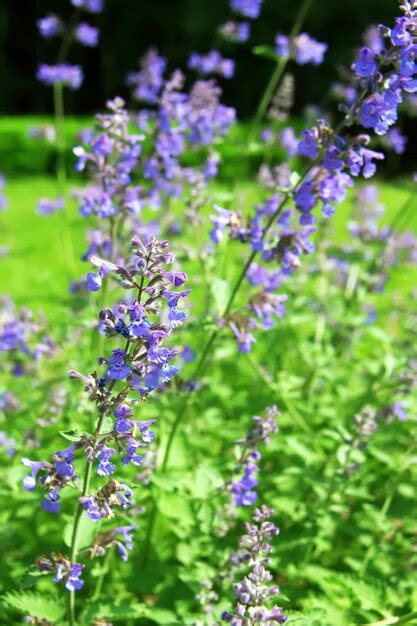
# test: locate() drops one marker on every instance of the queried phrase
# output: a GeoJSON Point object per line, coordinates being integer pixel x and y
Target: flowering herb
{"type": "Point", "coordinates": [255, 592]}
{"type": "Point", "coordinates": [142, 323]}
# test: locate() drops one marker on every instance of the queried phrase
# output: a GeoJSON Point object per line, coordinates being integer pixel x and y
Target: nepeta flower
{"type": "Point", "coordinates": [49, 26]}
{"type": "Point", "coordinates": [303, 49]}
{"type": "Point", "coordinates": [120, 537]}
{"type": "Point", "coordinates": [373, 39]}
{"type": "Point", "coordinates": [365, 65]}
{"type": "Point", "coordinates": [244, 488]}
{"type": "Point", "coordinates": [238, 32]}
{"type": "Point", "coordinates": [65, 74]}
{"type": "Point", "coordinates": [256, 590]}
{"type": "Point", "coordinates": [65, 571]}
{"type": "Point", "coordinates": [395, 140]}
{"type": "Point", "coordinates": [92, 6]}
{"type": "Point", "coordinates": [47, 206]}
{"type": "Point", "coordinates": [211, 63]}
{"type": "Point", "coordinates": [87, 35]}
{"type": "Point", "coordinates": [148, 82]}
{"type": "Point", "coordinates": [247, 8]}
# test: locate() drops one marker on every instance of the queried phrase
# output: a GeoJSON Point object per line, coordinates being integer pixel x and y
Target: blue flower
{"type": "Point", "coordinates": [365, 65]}
{"type": "Point", "coordinates": [117, 367]}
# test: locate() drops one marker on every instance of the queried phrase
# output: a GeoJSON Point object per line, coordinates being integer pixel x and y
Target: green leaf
{"type": "Point", "coordinates": [161, 616]}
{"type": "Point", "coordinates": [221, 292]}
{"type": "Point", "coordinates": [86, 532]}
{"type": "Point", "coordinates": [71, 435]}
{"type": "Point", "coordinates": [36, 605]}
{"type": "Point", "coordinates": [266, 52]}
{"type": "Point", "coordinates": [31, 577]}
{"type": "Point", "coordinates": [122, 610]}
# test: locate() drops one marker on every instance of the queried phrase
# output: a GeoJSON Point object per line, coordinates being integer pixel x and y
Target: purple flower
{"type": "Point", "coordinates": [176, 278]}
{"type": "Point", "coordinates": [244, 489]}
{"type": "Point", "coordinates": [29, 482]}
{"type": "Point", "coordinates": [92, 6]}
{"type": "Point", "coordinates": [126, 537]}
{"type": "Point", "coordinates": [247, 8]}
{"type": "Point", "coordinates": [308, 146]}
{"type": "Point", "coordinates": [305, 198]}
{"type": "Point", "coordinates": [105, 467]}
{"type": "Point", "coordinates": [373, 39]}
{"type": "Point", "coordinates": [400, 34]}
{"type": "Point", "coordinates": [47, 206]}
{"type": "Point", "coordinates": [282, 45]}
{"type": "Point", "coordinates": [87, 35]}
{"type": "Point", "coordinates": [93, 281]}
{"type": "Point", "coordinates": [236, 31]}
{"type": "Point", "coordinates": [117, 367]}
{"type": "Point", "coordinates": [62, 74]}
{"type": "Point", "coordinates": [212, 63]}
{"type": "Point", "coordinates": [49, 26]}
{"type": "Point", "coordinates": [308, 50]}
{"type": "Point", "coordinates": [395, 140]}
{"type": "Point", "coordinates": [289, 141]}
{"type": "Point", "coordinates": [149, 80]}
{"type": "Point", "coordinates": [173, 297]}
{"type": "Point", "coordinates": [365, 65]}
{"type": "Point", "coordinates": [74, 581]}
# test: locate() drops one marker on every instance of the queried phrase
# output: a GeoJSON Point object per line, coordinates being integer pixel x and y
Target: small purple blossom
{"type": "Point", "coordinates": [63, 74]}
{"type": "Point", "coordinates": [87, 35]}
{"type": "Point", "coordinates": [49, 26]}
{"type": "Point", "coordinates": [247, 8]}
{"type": "Point", "coordinates": [211, 63]}
{"type": "Point", "coordinates": [118, 369]}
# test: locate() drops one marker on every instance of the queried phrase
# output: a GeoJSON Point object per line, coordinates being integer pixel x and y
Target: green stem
{"type": "Point", "coordinates": [76, 527]}
{"type": "Point", "coordinates": [61, 176]}
{"type": "Point", "coordinates": [278, 71]}
{"type": "Point", "coordinates": [402, 212]}
{"type": "Point", "coordinates": [405, 619]}
{"type": "Point", "coordinates": [60, 137]}
{"type": "Point", "coordinates": [100, 580]}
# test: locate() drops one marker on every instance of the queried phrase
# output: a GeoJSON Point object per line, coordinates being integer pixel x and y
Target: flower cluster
{"type": "Point", "coordinates": [49, 206]}
{"type": "Point", "coordinates": [147, 83]}
{"type": "Point", "coordinates": [238, 32]}
{"type": "Point", "coordinates": [65, 571]}
{"type": "Point", "coordinates": [247, 8]}
{"type": "Point", "coordinates": [244, 488]}
{"type": "Point", "coordinates": [255, 591]}
{"type": "Point", "coordinates": [22, 338]}
{"type": "Point", "coordinates": [388, 71]}
{"type": "Point", "coordinates": [303, 49]}
{"type": "Point", "coordinates": [335, 160]}
{"type": "Point", "coordinates": [63, 73]}
{"type": "Point", "coordinates": [183, 122]}
{"type": "Point", "coordinates": [120, 537]}
{"type": "Point", "coordinates": [143, 322]}
{"type": "Point", "coordinates": [211, 63]}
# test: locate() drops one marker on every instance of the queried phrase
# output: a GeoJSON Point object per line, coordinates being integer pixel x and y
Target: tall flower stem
{"type": "Point", "coordinates": [61, 172]}
{"type": "Point", "coordinates": [77, 519]}
{"type": "Point", "coordinates": [61, 175]}
{"type": "Point", "coordinates": [278, 71]}
{"type": "Point", "coordinates": [60, 137]}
